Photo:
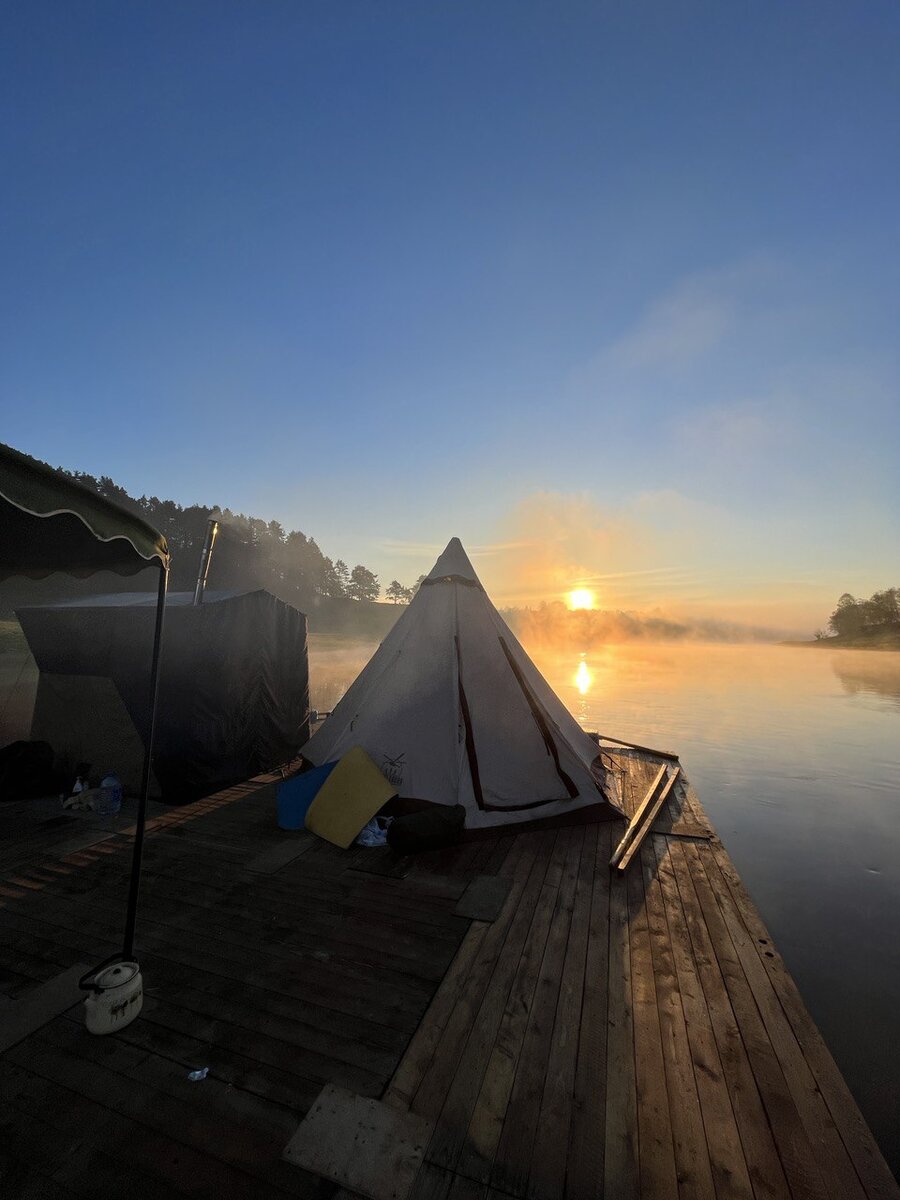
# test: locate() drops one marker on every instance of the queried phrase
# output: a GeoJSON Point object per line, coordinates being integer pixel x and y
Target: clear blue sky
{"type": "Point", "coordinates": [622, 279]}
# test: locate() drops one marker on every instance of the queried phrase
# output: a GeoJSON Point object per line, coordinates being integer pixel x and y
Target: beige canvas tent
{"type": "Point", "coordinates": [453, 711]}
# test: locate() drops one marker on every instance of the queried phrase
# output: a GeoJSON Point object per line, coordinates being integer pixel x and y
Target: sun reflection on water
{"type": "Point", "coordinates": [583, 678]}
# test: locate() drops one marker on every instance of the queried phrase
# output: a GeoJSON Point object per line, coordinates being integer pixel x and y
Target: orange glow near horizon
{"type": "Point", "coordinates": [581, 598]}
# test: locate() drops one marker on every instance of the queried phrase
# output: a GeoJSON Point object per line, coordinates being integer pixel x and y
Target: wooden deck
{"type": "Point", "coordinates": [604, 1036]}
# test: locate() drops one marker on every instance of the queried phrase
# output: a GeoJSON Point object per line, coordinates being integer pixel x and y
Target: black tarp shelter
{"type": "Point", "coordinates": [49, 523]}
{"type": "Point", "coordinates": [233, 689]}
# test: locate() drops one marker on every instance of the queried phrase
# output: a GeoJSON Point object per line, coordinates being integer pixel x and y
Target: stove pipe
{"type": "Point", "coordinates": [212, 530]}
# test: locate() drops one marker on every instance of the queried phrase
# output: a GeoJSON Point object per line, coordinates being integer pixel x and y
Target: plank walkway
{"type": "Point", "coordinates": [606, 1035]}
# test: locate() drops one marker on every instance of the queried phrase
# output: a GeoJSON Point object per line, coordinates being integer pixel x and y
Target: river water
{"type": "Point", "coordinates": [795, 754]}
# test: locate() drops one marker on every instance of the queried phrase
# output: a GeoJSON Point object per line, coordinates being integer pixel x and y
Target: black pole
{"type": "Point", "coordinates": [212, 529]}
{"type": "Point", "coordinates": [135, 883]}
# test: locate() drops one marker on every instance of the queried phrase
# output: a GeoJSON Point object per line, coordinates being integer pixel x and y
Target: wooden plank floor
{"type": "Point", "coordinates": [604, 1036]}
{"type": "Point", "coordinates": [630, 1037]}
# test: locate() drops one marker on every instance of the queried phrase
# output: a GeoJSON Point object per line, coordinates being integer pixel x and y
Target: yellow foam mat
{"type": "Point", "coordinates": [348, 799]}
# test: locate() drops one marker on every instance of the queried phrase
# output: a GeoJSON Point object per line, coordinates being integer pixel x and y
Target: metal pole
{"type": "Point", "coordinates": [135, 883]}
{"type": "Point", "coordinates": [212, 529]}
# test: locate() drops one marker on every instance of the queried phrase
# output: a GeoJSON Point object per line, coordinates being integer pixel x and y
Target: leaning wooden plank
{"type": "Point", "coordinates": [638, 816]}
{"type": "Point", "coordinates": [647, 823]}
{"type": "Point", "coordinates": [28, 1013]}
{"type": "Point", "coordinates": [363, 1145]}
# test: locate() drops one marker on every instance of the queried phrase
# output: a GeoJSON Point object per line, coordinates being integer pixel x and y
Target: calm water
{"type": "Point", "coordinates": [795, 753]}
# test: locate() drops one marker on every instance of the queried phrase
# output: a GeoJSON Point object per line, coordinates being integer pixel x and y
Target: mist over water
{"type": "Point", "coordinates": [795, 754]}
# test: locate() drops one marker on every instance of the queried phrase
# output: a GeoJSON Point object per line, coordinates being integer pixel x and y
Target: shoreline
{"type": "Point", "coordinates": [880, 641]}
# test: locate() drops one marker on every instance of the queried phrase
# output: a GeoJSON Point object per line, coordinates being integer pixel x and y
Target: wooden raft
{"type": "Point", "coordinates": [630, 1035]}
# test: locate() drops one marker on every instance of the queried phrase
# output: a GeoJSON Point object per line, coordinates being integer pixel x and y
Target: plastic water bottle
{"type": "Point", "coordinates": [110, 800]}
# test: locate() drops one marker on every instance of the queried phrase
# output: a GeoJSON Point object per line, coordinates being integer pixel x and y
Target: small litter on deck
{"type": "Point", "coordinates": [200, 1073]}
{"type": "Point", "coordinates": [375, 832]}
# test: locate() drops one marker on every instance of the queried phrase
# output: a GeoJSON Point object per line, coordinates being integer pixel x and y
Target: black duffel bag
{"type": "Point", "coordinates": [26, 771]}
{"type": "Point", "coordinates": [431, 829]}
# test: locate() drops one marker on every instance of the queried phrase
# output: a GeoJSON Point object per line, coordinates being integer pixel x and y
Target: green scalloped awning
{"type": "Point", "coordinates": [49, 523]}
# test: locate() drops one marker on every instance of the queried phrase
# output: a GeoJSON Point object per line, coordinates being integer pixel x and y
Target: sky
{"type": "Point", "coordinates": [608, 290]}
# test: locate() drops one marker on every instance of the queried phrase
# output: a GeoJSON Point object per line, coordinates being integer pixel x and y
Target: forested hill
{"type": "Point", "coordinates": [864, 624]}
{"type": "Point", "coordinates": [249, 553]}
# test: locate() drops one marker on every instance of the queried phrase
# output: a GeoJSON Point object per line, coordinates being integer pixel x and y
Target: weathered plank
{"type": "Point", "coordinates": [867, 1159]}
{"type": "Point", "coordinates": [636, 819]}
{"type": "Point", "coordinates": [656, 1150]}
{"type": "Point", "coordinates": [484, 898]}
{"type": "Point", "coordinates": [455, 1114]}
{"type": "Point", "coordinates": [587, 1146]}
{"type": "Point", "coordinates": [802, 1166]}
{"type": "Point", "coordinates": [512, 1164]}
{"type": "Point", "coordinates": [760, 1153]}
{"type": "Point", "coordinates": [723, 1141]}
{"type": "Point", "coordinates": [29, 1012]}
{"type": "Point", "coordinates": [646, 822]}
{"type": "Point", "coordinates": [620, 1161]}
{"type": "Point", "coordinates": [361, 1144]}
{"type": "Point", "coordinates": [477, 1155]}
{"type": "Point", "coordinates": [692, 1158]}
{"type": "Point", "coordinates": [549, 1156]}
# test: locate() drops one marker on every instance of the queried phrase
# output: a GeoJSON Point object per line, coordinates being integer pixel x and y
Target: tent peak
{"type": "Point", "coordinates": [453, 563]}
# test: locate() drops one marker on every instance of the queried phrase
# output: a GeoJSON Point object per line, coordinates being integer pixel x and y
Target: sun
{"type": "Point", "coordinates": [581, 598]}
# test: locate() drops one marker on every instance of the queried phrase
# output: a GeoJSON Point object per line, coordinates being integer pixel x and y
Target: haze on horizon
{"type": "Point", "coordinates": [609, 292]}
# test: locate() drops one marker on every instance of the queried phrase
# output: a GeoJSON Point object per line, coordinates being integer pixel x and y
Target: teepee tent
{"type": "Point", "coordinates": [453, 711]}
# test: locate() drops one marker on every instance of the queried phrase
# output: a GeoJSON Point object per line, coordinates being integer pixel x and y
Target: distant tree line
{"type": "Point", "coordinates": [399, 594]}
{"type": "Point", "coordinates": [852, 617]}
{"type": "Point", "coordinates": [249, 552]}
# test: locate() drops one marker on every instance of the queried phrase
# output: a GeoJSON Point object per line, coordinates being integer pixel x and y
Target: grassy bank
{"type": "Point", "coordinates": [874, 639]}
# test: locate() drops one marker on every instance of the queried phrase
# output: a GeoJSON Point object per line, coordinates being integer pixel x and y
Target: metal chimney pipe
{"type": "Point", "coordinates": [212, 530]}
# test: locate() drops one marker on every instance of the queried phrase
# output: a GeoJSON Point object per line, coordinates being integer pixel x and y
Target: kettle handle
{"type": "Point", "coordinates": [87, 982]}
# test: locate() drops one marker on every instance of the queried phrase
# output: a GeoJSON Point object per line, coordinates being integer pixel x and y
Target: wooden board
{"type": "Point", "coordinates": [644, 823]}
{"type": "Point", "coordinates": [636, 819]}
{"type": "Point", "coordinates": [364, 1145]}
{"type": "Point", "coordinates": [484, 898]}
{"type": "Point", "coordinates": [273, 858]}
{"type": "Point", "coordinates": [21, 1017]}
{"type": "Point", "coordinates": [348, 799]}
{"type": "Point", "coordinates": [602, 1036]}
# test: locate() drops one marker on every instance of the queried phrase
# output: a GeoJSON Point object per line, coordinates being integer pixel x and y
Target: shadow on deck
{"type": "Point", "coordinates": [603, 1036]}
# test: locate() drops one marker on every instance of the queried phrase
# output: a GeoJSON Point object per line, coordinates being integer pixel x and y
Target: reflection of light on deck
{"type": "Point", "coordinates": [583, 678]}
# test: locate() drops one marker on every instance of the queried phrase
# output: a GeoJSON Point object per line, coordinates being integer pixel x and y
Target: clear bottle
{"type": "Point", "coordinates": [110, 800]}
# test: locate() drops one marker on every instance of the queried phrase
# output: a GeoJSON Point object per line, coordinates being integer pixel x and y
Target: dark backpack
{"type": "Point", "coordinates": [26, 770]}
{"type": "Point", "coordinates": [431, 829]}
